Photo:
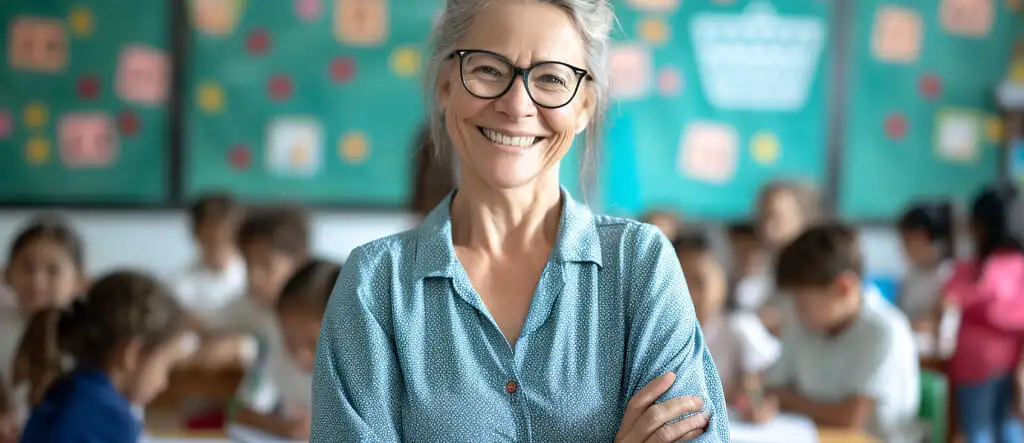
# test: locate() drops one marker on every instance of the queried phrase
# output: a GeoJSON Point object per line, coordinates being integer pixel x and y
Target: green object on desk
{"type": "Point", "coordinates": [934, 405]}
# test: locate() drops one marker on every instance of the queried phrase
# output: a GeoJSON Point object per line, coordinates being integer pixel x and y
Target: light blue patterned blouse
{"type": "Point", "coordinates": [409, 352]}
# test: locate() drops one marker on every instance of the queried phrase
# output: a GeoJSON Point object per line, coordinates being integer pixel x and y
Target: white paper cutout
{"type": "Point", "coordinates": [361, 22]}
{"type": "Point", "coordinates": [295, 147]}
{"type": "Point", "coordinates": [37, 44]}
{"type": "Point", "coordinates": [215, 17]}
{"type": "Point", "coordinates": [757, 60]}
{"type": "Point", "coordinates": [958, 135]}
{"type": "Point", "coordinates": [143, 75]}
{"type": "Point", "coordinates": [654, 5]}
{"type": "Point", "coordinates": [896, 34]}
{"type": "Point", "coordinates": [87, 140]}
{"type": "Point", "coordinates": [630, 71]}
{"type": "Point", "coordinates": [709, 152]}
{"type": "Point", "coordinates": [970, 18]}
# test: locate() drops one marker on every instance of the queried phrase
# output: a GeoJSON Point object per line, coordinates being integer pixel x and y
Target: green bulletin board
{"type": "Point", "coordinates": [716, 98]}
{"type": "Point", "coordinates": [921, 117]}
{"type": "Point", "coordinates": [82, 102]}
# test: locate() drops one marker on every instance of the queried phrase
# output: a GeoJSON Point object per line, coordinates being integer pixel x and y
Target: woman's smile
{"type": "Point", "coordinates": [512, 142]}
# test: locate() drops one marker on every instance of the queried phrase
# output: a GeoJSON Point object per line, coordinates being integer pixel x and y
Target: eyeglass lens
{"type": "Point", "coordinates": [550, 84]}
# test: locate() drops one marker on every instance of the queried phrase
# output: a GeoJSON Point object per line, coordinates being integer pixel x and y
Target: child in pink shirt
{"type": "Point", "coordinates": [989, 292]}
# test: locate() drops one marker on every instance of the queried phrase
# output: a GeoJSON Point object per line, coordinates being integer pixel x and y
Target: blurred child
{"type": "Point", "coordinates": [274, 243]}
{"type": "Point", "coordinates": [848, 361]}
{"type": "Point", "coordinates": [926, 231]}
{"type": "Point", "coordinates": [122, 338]}
{"type": "Point", "coordinates": [747, 255]}
{"type": "Point", "coordinates": [44, 270]}
{"type": "Point", "coordinates": [989, 293]}
{"type": "Point", "coordinates": [218, 276]}
{"type": "Point", "coordinates": [739, 344]}
{"type": "Point", "coordinates": [667, 222]}
{"type": "Point", "coordinates": [280, 402]}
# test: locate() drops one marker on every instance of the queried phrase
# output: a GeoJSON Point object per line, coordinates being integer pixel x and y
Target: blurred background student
{"type": "Point", "coordinates": [927, 236]}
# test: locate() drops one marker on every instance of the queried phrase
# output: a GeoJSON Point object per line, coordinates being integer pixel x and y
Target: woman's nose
{"type": "Point", "coordinates": [516, 103]}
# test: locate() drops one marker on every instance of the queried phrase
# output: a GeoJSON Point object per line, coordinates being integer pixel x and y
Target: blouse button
{"type": "Point", "coordinates": [511, 387]}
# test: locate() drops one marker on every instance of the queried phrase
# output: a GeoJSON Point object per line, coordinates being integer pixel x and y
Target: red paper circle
{"type": "Point", "coordinates": [896, 126]}
{"type": "Point", "coordinates": [239, 157]}
{"type": "Point", "coordinates": [930, 86]}
{"type": "Point", "coordinates": [258, 42]}
{"type": "Point", "coordinates": [128, 123]}
{"type": "Point", "coordinates": [88, 87]}
{"type": "Point", "coordinates": [343, 69]}
{"type": "Point", "coordinates": [280, 87]}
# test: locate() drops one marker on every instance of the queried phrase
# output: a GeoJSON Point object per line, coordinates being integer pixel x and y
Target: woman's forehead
{"type": "Point", "coordinates": [526, 33]}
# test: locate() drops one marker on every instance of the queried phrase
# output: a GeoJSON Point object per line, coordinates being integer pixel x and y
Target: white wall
{"type": "Point", "coordinates": [160, 242]}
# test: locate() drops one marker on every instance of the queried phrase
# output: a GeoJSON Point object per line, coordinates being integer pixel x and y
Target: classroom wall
{"type": "Point", "coordinates": [160, 242]}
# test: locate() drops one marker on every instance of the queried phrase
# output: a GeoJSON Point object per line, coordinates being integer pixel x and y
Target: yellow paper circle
{"type": "Point", "coordinates": [654, 30]}
{"type": "Point", "coordinates": [1017, 72]}
{"type": "Point", "coordinates": [81, 21]}
{"type": "Point", "coordinates": [994, 129]}
{"type": "Point", "coordinates": [211, 97]}
{"type": "Point", "coordinates": [405, 61]}
{"type": "Point", "coordinates": [36, 115]}
{"type": "Point", "coordinates": [765, 148]}
{"type": "Point", "coordinates": [353, 147]}
{"type": "Point", "coordinates": [37, 150]}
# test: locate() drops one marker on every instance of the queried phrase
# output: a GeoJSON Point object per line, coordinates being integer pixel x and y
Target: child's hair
{"type": "Point", "coordinates": [818, 256]}
{"type": "Point", "coordinates": [120, 307]}
{"type": "Point", "coordinates": [806, 196]}
{"type": "Point", "coordinates": [284, 228]}
{"type": "Point", "coordinates": [936, 220]}
{"type": "Point", "coordinates": [742, 229]}
{"type": "Point", "coordinates": [995, 215]}
{"type": "Point", "coordinates": [50, 228]}
{"type": "Point", "coordinates": [692, 241]}
{"type": "Point", "coordinates": [310, 287]}
{"type": "Point", "coordinates": [216, 207]}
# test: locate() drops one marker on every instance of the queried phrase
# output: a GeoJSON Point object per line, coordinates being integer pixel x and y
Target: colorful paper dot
{"type": "Point", "coordinates": [670, 82]}
{"type": "Point", "coordinates": [240, 157]}
{"type": "Point", "coordinates": [994, 129]}
{"type": "Point", "coordinates": [353, 147]}
{"type": "Point", "coordinates": [210, 97]}
{"type": "Point", "coordinates": [654, 30]}
{"type": "Point", "coordinates": [37, 150]}
{"type": "Point", "coordinates": [36, 115]}
{"type": "Point", "coordinates": [930, 86]}
{"type": "Point", "coordinates": [81, 21]}
{"type": "Point", "coordinates": [896, 126]}
{"type": "Point", "coordinates": [257, 42]}
{"type": "Point", "coordinates": [405, 61]}
{"type": "Point", "coordinates": [765, 148]}
{"type": "Point", "coordinates": [128, 123]}
{"type": "Point", "coordinates": [342, 69]}
{"type": "Point", "coordinates": [88, 87]}
{"type": "Point", "coordinates": [1013, 4]}
{"type": "Point", "coordinates": [280, 87]}
{"type": "Point", "coordinates": [308, 9]}
{"type": "Point", "coordinates": [6, 124]}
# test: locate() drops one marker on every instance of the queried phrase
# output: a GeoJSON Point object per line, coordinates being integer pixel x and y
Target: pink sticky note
{"type": "Point", "coordinates": [670, 82]}
{"type": "Point", "coordinates": [308, 9]}
{"type": "Point", "coordinates": [87, 139]}
{"type": "Point", "coordinates": [361, 22]}
{"type": "Point", "coordinates": [709, 152]}
{"type": "Point", "coordinates": [630, 70]}
{"type": "Point", "coordinates": [142, 75]}
{"type": "Point", "coordinates": [215, 17]}
{"type": "Point", "coordinates": [971, 18]}
{"type": "Point", "coordinates": [897, 34]}
{"type": "Point", "coordinates": [37, 44]}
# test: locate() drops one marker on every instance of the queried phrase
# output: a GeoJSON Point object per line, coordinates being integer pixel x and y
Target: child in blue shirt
{"type": "Point", "coordinates": [119, 341]}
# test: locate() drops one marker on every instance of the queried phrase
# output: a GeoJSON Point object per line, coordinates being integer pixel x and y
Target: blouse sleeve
{"type": "Point", "coordinates": [356, 379]}
{"type": "Point", "coordinates": [663, 333]}
{"type": "Point", "coordinates": [996, 296]}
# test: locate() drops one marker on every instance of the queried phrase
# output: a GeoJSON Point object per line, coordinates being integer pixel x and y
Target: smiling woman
{"type": "Point", "coordinates": [513, 313]}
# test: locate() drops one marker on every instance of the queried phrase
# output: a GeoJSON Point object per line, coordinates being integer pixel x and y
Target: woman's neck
{"type": "Point", "coordinates": [499, 220]}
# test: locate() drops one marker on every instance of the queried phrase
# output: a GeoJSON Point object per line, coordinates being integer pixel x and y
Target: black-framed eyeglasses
{"type": "Point", "coordinates": [487, 75]}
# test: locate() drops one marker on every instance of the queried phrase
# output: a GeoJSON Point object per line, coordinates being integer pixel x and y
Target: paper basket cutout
{"type": "Point", "coordinates": [757, 60]}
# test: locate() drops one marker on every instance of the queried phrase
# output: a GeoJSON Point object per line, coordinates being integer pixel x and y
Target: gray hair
{"type": "Point", "coordinates": [594, 20]}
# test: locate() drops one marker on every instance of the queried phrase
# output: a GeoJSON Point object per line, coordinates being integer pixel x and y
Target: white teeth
{"type": "Point", "coordinates": [507, 140]}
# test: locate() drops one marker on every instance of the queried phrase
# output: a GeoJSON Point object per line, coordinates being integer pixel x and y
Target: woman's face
{"type": "Point", "coordinates": [525, 33]}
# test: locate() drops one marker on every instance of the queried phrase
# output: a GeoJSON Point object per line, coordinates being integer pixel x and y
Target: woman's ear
{"type": "Point", "coordinates": [586, 113]}
{"type": "Point", "coordinates": [443, 87]}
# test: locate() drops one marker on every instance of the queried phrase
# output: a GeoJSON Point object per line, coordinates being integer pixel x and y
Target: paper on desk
{"type": "Point", "coordinates": [243, 434]}
{"type": "Point", "coordinates": [785, 428]}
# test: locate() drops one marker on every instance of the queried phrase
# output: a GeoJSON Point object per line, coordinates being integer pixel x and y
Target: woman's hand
{"type": "Point", "coordinates": [647, 421]}
{"type": "Point", "coordinates": [9, 432]}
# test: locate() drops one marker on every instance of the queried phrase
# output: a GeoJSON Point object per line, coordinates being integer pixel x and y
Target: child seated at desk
{"type": "Point", "coordinates": [849, 360]}
{"type": "Point", "coordinates": [926, 231]}
{"type": "Point", "coordinates": [278, 399]}
{"type": "Point", "coordinates": [123, 339]}
{"type": "Point", "coordinates": [740, 345]}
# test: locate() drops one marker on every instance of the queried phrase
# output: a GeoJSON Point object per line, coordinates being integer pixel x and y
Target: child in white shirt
{"type": "Point", "coordinates": [739, 344]}
{"type": "Point", "coordinates": [218, 275]}
{"type": "Point", "coordinates": [927, 234]}
{"type": "Point", "coordinates": [45, 269]}
{"type": "Point", "coordinates": [848, 361]}
{"type": "Point", "coordinates": [278, 397]}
